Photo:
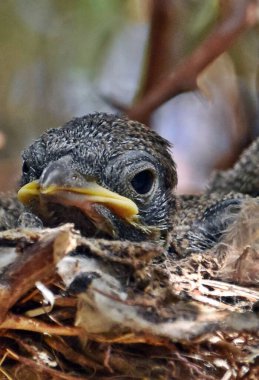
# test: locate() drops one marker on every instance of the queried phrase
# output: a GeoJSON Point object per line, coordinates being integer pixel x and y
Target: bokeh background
{"type": "Point", "coordinates": [64, 58]}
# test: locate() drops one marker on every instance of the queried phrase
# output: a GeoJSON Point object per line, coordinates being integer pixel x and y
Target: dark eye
{"type": "Point", "coordinates": [143, 181]}
{"type": "Point", "coordinates": [25, 167]}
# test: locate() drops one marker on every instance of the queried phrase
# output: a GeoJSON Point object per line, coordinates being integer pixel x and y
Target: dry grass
{"type": "Point", "coordinates": [136, 313]}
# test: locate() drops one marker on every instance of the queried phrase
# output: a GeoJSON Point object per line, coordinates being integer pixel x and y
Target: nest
{"type": "Point", "coordinates": [77, 308]}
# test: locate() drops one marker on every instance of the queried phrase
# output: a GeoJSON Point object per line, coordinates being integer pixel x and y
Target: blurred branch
{"type": "Point", "coordinates": [161, 36]}
{"type": "Point", "coordinates": [114, 103]}
{"type": "Point", "coordinates": [2, 140]}
{"type": "Point", "coordinates": [159, 56]}
{"type": "Point", "coordinates": [242, 15]}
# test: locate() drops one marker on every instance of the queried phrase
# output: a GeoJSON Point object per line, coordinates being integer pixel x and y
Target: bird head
{"type": "Point", "coordinates": [110, 176]}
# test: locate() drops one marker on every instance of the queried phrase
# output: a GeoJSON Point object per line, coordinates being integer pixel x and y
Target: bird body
{"type": "Point", "coordinates": [202, 219]}
{"type": "Point", "coordinates": [10, 211]}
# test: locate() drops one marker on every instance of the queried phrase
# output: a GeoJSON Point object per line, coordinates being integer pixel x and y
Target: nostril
{"type": "Point", "coordinates": [52, 175]}
{"type": "Point", "coordinates": [75, 177]}
{"type": "Point", "coordinates": [57, 172]}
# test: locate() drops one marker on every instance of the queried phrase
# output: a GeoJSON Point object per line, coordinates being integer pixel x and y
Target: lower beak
{"type": "Point", "coordinates": [80, 197]}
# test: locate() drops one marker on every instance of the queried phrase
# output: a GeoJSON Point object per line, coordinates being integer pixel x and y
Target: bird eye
{"type": "Point", "coordinates": [25, 167]}
{"type": "Point", "coordinates": [143, 181]}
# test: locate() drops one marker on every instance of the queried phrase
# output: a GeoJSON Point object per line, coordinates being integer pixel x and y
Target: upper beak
{"type": "Point", "coordinates": [65, 186]}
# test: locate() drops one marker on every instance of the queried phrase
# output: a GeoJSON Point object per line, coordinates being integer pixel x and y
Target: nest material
{"type": "Point", "coordinates": [76, 308]}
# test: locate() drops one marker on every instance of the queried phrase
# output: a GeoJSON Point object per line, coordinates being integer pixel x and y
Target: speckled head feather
{"type": "Point", "coordinates": [113, 151]}
{"type": "Point", "coordinates": [97, 138]}
{"type": "Point", "coordinates": [243, 177]}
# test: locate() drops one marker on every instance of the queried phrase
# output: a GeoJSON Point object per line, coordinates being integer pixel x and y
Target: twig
{"type": "Point", "coordinates": [69, 353]}
{"type": "Point", "coordinates": [34, 264]}
{"type": "Point", "coordinates": [52, 373]}
{"type": "Point", "coordinates": [184, 77]}
{"type": "Point", "coordinates": [18, 322]}
{"type": "Point", "coordinates": [232, 289]}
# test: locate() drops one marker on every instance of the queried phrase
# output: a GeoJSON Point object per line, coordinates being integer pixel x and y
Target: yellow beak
{"type": "Point", "coordinates": [81, 197]}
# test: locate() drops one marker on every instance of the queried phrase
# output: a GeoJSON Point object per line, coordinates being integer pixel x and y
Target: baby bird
{"type": "Point", "coordinates": [110, 176]}
{"type": "Point", "coordinates": [115, 178]}
{"type": "Point", "coordinates": [202, 219]}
